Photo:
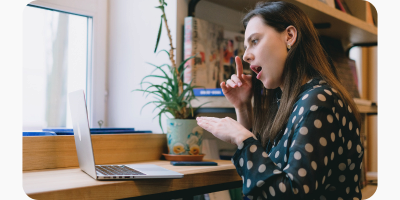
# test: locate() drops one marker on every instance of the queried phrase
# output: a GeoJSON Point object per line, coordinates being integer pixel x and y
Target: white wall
{"type": "Point", "coordinates": [133, 28]}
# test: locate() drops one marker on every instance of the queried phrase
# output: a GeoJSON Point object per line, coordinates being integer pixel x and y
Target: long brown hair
{"type": "Point", "coordinates": [306, 59]}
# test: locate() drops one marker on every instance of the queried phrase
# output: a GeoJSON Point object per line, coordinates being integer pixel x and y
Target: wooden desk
{"type": "Point", "coordinates": [51, 169]}
{"type": "Point", "coordinates": [72, 183]}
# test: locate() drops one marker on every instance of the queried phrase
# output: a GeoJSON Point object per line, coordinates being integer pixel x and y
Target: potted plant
{"type": "Point", "coordinates": [174, 96]}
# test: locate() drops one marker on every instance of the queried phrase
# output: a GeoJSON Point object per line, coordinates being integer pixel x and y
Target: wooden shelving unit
{"type": "Point", "coordinates": [345, 27]}
{"type": "Point", "coordinates": [350, 30]}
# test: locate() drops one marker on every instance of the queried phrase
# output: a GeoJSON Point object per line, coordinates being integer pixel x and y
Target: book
{"type": "Point", "coordinates": [330, 3]}
{"type": "Point", "coordinates": [353, 68]}
{"type": "Point", "coordinates": [203, 40]}
{"type": "Point", "coordinates": [364, 102]}
{"type": "Point", "coordinates": [342, 64]}
{"type": "Point", "coordinates": [346, 7]}
{"type": "Point", "coordinates": [91, 129]}
{"type": "Point", "coordinates": [233, 46]}
{"type": "Point", "coordinates": [369, 17]}
{"type": "Point", "coordinates": [38, 133]}
{"type": "Point", "coordinates": [346, 76]}
{"type": "Point", "coordinates": [67, 131]}
{"type": "Point", "coordinates": [339, 5]}
{"type": "Point", "coordinates": [215, 50]}
{"type": "Point", "coordinates": [372, 177]}
{"type": "Point", "coordinates": [208, 92]}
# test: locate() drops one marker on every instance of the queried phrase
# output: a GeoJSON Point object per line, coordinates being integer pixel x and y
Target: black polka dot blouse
{"type": "Point", "coordinates": [317, 156]}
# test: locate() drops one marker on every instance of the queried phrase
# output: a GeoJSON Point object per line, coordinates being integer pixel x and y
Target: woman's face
{"type": "Point", "coordinates": [266, 52]}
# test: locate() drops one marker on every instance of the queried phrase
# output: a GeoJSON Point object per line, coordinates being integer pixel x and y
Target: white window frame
{"type": "Point", "coordinates": [97, 91]}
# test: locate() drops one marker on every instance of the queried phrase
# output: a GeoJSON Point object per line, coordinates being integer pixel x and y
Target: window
{"type": "Point", "coordinates": [56, 61]}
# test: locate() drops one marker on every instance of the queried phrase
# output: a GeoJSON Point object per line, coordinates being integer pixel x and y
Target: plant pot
{"type": "Point", "coordinates": [184, 137]}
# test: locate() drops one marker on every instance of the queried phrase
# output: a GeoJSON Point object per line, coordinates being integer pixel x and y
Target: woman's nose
{"type": "Point", "coordinates": [247, 56]}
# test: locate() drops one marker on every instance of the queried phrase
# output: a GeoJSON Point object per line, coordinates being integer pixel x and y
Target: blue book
{"type": "Point", "coordinates": [208, 92]}
{"type": "Point", "coordinates": [103, 132]}
{"type": "Point", "coordinates": [38, 133]}
{"type": "Point", "coordinates": [64, 131]}
{"type": "Point", "coordinates": [91, 129]}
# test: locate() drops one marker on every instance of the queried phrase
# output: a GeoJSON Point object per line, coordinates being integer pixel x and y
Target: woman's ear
{"type": "Point", "coordinates": [290, 35]}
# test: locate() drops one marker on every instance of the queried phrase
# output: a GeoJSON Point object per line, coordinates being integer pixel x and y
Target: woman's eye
{"type": "Point", "coordinates": [254, 41]}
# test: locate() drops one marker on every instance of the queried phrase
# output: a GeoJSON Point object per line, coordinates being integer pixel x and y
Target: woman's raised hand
{"type": "Point", "coordinates": [238, 89]}
{"type": "Point", "coordinates": [225, 129]}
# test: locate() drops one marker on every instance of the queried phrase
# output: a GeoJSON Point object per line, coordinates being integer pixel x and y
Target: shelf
{"type": "Point", "coordinates": [348, 29]}
{"type": "Point", "coordinates": [369, 110]}
{"type": "Point", "coordinates": [368, 191]}
{"type": "Point", "coordinates": [222, 102]}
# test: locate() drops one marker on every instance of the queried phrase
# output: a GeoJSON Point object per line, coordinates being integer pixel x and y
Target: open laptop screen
{"type": "Point", "coordinates": [82, 137]}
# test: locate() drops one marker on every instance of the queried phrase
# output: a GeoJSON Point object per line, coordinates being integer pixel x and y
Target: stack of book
{"type": "Point", "coordinates": [69, 131]}
{"type": "Point", "coordinates": [214, 50]}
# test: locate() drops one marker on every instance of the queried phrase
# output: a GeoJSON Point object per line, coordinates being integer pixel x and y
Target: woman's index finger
{"type": "Point", "coordinates": [239, 66]}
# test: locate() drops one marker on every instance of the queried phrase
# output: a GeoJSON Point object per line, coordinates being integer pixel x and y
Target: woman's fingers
{"type": "Point", "coordinates": [204, 125]}
{"type": "Point", "coordinates": [236, 80]}
{"type": "Point", "coordinates": [224, 87]}
{"type": "Point", "coordinates": [209, 120]}
{"type": "Point", "coordinates": [246, 78]}
{"type": "Point", "coordinates": [231, 83]}
{"type": "Point", "coordinates": [208, 123]}
{"type": "Point", "coordinates": [239, 66]}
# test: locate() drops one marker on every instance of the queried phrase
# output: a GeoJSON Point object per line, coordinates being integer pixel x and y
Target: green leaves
{"type": "Point", "coordinates": [163, 3]}
{"type": "Point", "coordinates": [172, 95]}
{"type": "Point", "coordinates": [181, 66]}
{"type": "Point", "coordinates": [168, 99]}
{"type": "Point", "coordinates": [159, 33]}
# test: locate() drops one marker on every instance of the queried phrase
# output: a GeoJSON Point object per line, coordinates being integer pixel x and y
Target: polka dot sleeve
{"type": "Point", "coordinates": [315, 156]}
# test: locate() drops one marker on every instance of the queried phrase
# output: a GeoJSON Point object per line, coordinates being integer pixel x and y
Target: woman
{"type": "Point", "coordinates": [301, 138]}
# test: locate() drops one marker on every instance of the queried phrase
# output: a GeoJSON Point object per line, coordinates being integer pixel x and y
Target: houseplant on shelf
{"type": "Point", "coordinates": [174, 96]}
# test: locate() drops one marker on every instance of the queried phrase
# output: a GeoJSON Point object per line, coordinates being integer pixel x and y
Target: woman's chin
{"type": "Point", "coordinates": [267, 84]}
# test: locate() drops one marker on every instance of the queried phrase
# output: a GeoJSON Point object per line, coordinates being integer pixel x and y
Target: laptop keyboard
{"type": "Point", "coordinates": [116, 170]}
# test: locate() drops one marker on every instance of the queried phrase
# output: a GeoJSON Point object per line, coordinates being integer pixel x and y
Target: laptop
{"type": "Point", "coordinates": [83, 143]}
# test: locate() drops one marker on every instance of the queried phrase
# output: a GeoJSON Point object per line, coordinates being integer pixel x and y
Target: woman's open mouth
{"type": "Point", "coordinates": [256, 69]}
